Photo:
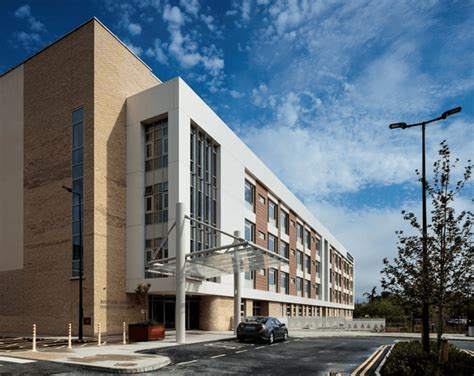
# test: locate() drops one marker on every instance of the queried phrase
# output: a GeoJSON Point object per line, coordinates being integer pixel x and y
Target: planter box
{"type": "Point", "coordinates": [145, 332]}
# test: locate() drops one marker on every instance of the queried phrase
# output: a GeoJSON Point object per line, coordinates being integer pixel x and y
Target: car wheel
{"type": "Point", "coordinates": [241, 339]}
{"type": "Point", "coordinates": [285, 336]}
{"type": "Point", "coordinates": [271, 339]}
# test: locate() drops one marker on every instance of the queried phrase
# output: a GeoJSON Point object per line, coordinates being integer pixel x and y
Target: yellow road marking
{"type": "Point", "coordinates": [366, 361]}
{"type": "Point", "coordinates": [376, 357]}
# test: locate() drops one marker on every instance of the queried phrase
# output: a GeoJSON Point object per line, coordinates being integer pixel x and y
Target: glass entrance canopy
{"type": "Point", "coordinates": [231, 259]}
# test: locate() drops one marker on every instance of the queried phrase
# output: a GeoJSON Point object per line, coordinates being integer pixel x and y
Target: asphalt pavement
{"type": "Point", "coordinates": [297, 356]}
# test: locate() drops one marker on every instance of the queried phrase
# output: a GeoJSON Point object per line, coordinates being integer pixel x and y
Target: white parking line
{"type": "Point", "coordinates": [261, 347]}
{"type": "Point", "coordinates": [241, 351]}
{"type": "Point", "coordinates": [190, 361]}
{"type": "Point", "coordinates": [85, 344]}
{"type": "Point", "coordinates": [16, 360]}
{"type": "Point", "coordinates": [216, 356]}
{"type": "Point", "coordinates": [275, 344]}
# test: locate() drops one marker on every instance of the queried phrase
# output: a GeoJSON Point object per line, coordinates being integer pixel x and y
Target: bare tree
{"type": "Point", "coordinates": [450, 250]}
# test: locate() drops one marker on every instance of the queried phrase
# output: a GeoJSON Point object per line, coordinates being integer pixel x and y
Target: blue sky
{"type": "Point", "coordinates": [310, 86]}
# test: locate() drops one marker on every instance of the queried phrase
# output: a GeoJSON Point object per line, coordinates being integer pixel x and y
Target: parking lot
{"type": "Point", "coordinates": [315, 356]}
{"type": "Point", "coordinates": [12, 344]}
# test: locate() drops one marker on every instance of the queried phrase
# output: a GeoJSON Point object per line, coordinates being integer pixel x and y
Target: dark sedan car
{"type": "Point", "coordinates": [264, 328]}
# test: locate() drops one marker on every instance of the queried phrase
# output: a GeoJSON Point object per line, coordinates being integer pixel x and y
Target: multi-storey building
{"type": "Point", "coordinates": [85, 112]}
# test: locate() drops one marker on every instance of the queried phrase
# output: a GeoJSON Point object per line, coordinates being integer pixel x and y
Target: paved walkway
{"type": "Point", "coordinates": [120, 358]}
{"type": "Point", "coordinates": [117, 358]}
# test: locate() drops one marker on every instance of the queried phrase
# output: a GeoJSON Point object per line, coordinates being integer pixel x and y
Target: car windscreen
{"type": "Point", "coordinates": [260, 320]}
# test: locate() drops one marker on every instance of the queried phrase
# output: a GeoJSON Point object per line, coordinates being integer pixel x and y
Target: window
{"type": "Point", "coordinates": [156, 200]}
{"type": "Point", "coordinates": [317, 290]}
{"type": "Point", "coordinates": [155, 249]}
{"type": "Point", "coordinates": [203, 192]}
{"type": "Point", "coordinates": [249, 231]}
{"type": "Point", "coordinates": [156, 152]}
{"type": "Point", "coordinates": [299, 286]}
{"type": "Point", "coordinates": [284, 222]}
{"type": "Point", "coordinates": [257, 308]}
{"type": "Point", "coordinates": [284, 249]}
{"type": "Point", "coordinates": [272, 213]}
{"type": "Point", "coordinates": [261, 199]}
{"type": "Point", "coordinates": [272, 243]}
{"type": "Point", "coordinates": [307, 239]}
{"type": "Point", "coordinates": [307, 289]}
{"type": "Point", "coordinates": [299, 260]}
{"type": "Point", "coordinates": [272, 277]}
{"type": "Point", "coordinates": [318, 247]}
{"type": "Point", "coordinates": [299, 232]}
{"type": "Point", "coordinates": [261, 235]}
{"type": "Point", "coordinates": [77, 172]}
{"type": "Point", "coordinates": [284, 283]}
{"type": "Point", "coordinates": [307, 262]}
{"type": "Point", "coordinates": [249, 192]}
{"type": "Point", "coordinates": [249, 276]}
{"type": "Point", "coordinates": [318, 268]}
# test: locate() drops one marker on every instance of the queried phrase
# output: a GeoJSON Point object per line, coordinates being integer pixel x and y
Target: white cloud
{"type": "Point", "coordinates": [185, 49]}
{"type": "Point", "coordinates": [235, 94]}
{"type": "Point", "coordinates": [209, 21]}
{"type": "Point", "coordinates": [173, 15]}
{"type": "Point", "coordinates": [137, 50]}
{"type": "Point", "coordinates": [157, 52]}
{"type": "Point", "coordinates": [33, 38]}
{"type": "Point", "coordinates": [369, 234]}
{"type": "Point", "coordinates": [134, 28]}
{"type": "Point", "coordinates": [23, 12]}
{"type": "Point", "coordinates": [190, 6]}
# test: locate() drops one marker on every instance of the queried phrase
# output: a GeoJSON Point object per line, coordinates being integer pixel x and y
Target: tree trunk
{"type": "Point", "coordinates": [439, 326]}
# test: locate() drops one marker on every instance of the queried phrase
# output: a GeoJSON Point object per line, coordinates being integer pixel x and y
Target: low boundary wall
{"type": "Point", "coordinates": [334, 323]}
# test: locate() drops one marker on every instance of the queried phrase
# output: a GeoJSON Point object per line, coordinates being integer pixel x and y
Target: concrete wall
{"type": "Point", "coordinates": [11, 170]}
{"type": "Point", "coordinates": [334, 323]}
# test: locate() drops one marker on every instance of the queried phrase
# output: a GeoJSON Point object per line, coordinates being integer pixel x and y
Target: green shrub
{"type": "Point", "coordinates": [408, 358]}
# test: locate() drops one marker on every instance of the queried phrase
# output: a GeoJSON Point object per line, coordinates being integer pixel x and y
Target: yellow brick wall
{"type": "Point", "coordinates": [216, 313]}
{"type": "Point", "coordinates": [88, 68]}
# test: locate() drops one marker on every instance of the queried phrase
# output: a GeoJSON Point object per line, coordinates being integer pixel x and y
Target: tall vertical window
{"type": "Point", "coordinates": [272, 273]}
{"type": "Point", "coordinates": [299, 232]}
{"type": "Point", "coordinates": [284, 283]}
{"type": "Point", "coordinates": [307, 262]}
{"type": "Point", "coordinates": [307, 239]}
{"type": "Point", "coordinates": [156, 203]}
{"type": "Point", "coordinates": [299, 286]}
{"type": "Point", "coordinates": [77, 185]}
{"type": "Point", "coordinates": [318, 247]}
{"type": "Point", "coordinates": [284, 222]}
{"type": "Point", "coordinates": [249, 193]}
{"type": "Point", "coordinates": [272, 213]}
{"type": "Point", "coordinates": [203, 200]}
{"type": "Point", "coordinates": [156, 138]}
{"type": "Point", "coordinates": [284, 249]}
{"type": "Point", "coordinates": [272, 243]}
{"type": "Point", "coordinates": [299, 260]}
{"type": "Point", "coordinates": [307, 289]}
{"type": "Point", "coordinates": [249, 231]}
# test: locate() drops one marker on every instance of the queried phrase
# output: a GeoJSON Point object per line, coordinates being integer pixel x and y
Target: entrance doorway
{"type": "Point", "coordinates": [162, 310]}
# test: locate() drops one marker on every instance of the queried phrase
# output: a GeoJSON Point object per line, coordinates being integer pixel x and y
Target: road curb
{"type": "Point", "coordinates": [104, 369]}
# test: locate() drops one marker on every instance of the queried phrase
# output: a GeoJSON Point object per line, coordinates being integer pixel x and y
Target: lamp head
{"type": "Point", "coordinates": [451, 112]}
{"type": "Point", "coordinates": [398, 125]}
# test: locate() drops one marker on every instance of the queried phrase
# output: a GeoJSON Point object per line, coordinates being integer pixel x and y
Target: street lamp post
{"type": "Point", "coordinates": [81, 309]}
{"type": "Point", "coordinates": [425, 313]}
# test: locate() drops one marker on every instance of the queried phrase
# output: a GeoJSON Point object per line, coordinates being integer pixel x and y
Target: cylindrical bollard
{"type": "Point", "coordinates": [69, 337]}
{"type": "Point", "coordinates": [99, 342]}
{"type": "Point", "coordinates": [34, 337]}
{"type": "Point", "coordinates": [124, 334]}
